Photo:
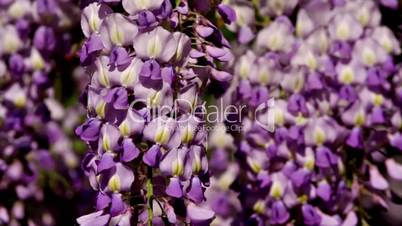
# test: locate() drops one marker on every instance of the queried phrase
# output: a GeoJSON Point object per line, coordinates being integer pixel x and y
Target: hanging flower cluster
{"type": "Point", "coordinates": [149, 63]}
{"type": "Point", "coordinates": [328, 85]}
{"type": "Point", "coordinates": [34, 149]}
{"type": "Point", "coordinates": [200, 112]}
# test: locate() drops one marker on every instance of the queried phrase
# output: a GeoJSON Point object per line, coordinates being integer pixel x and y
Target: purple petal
{"type": "Point", "coordinates": [45, 39]}
{"type": "Point", "coordinates": [300, 177]}
{"type": "Point", "coordinates": [199, 215]}
{"type": "Point", "coordinates": [168, 75]}
{"type": "Point", "coordinates": [310, 215]}
{"type": "Point", "coordinates": [221, 76]}
{"type": "Point", "coordinates": [355, 138]}
{"type": "Point", "coordinates": [152, 156]}
{"type": "Point", "coordinates": [130, 151]}
{"type": "Point", "coordinates": [377, 181]}
{"type": "Point", "coordinates": [94, 44]}
{"type": "Point", "coordinates": [146, 19]}
{"type": "Point", "coordinates": [182, 7]}
{"type": "Point", "coordinates": [328, 220]}
{"type": "Point", "coordinates": [175, 188]}
{"type": "Point", "coordinates": [227, 13]}
{"type": "Point", "coordinates": [106, 162]}
{"type": "Point", "coordinates": [245, 35]}
{"type": "Point", "coordinates": [215, 51]}
{"type": "Point", "coordinates": [314, 82]}
{"type": "Point", "coordinates": [195, 192]}
{"type": "Point", "coordinates": [117, 207]}
{"type": "Point", "coordinates": [396, 141]}
{"type": "Point", "coordinates": [102, 201]}
{"type": "Point", "coordinates": [351, 219]}
{"type": "Point", "coordinates": [150, 75]}
{"type": "Point", "coordinates": [377, 116]}
{"type": "Point", "coordinates": [279, 214]}
{"type": "Point", "coordinates": [94, 219]}
{"type": "Point", "coordinates": [133, 7]}
{"type": "Point", "coordinates": [196, 54]}
{"type": "Point", "coordinates": [348, 93]}
{"type": "Point", "coordinates": [17, 65]}
{"type": "Point", "coordinates": [47, 7]}
{"type": "Point", "coordinates": [204, 31]}
{"type": "Point", "coordinates": [394, 169]}
{"type": "Point", "coordinates": [325, 158]}
{"type": "Point", "coordinates": [88, 162]}
{"type": "Point", "coordinates": [118, 98]}
{"type": "Point", "coordinates": [324, 191]}
{"type": "Point", "coordinates": [393, 4]}
{"type": "Point", "coordinates": [89, 131]}
{"type": "Point", "coordinates": [4, 217]}
{"type": "Point", "coordinates": [296, 104]}
{"type": "Point", "coordinates": [119, 57]}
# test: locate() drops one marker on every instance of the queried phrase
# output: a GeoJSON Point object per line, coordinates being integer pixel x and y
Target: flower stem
{"type": "Point", "coordinates": [150, 194]}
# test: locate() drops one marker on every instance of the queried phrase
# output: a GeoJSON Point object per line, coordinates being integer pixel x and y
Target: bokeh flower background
{"type": "Point", "coordinates": [200, 112]}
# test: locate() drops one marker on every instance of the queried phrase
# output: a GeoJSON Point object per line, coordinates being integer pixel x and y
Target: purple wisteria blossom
{"type": "Point", "coordinates": [37, 161]}
{"type": "Point", "coordinates": [324, 75]}
{"type": "Point", "coordinates": [204, 112]}
{"type": "Point", "coordinates": [150, 63]}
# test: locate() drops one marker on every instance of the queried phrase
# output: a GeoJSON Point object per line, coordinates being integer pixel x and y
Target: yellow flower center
{"type": "Point", "coordinates": [114, 183]}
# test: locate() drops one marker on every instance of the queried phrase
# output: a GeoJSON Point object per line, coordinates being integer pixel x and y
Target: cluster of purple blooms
{"type": "Point", "coordinates": [35, 150]}
{"type": "Point", "coordinates": [316, 139]}
{"type": "Point", "coordinates": [327, 81]}
{"type": "Point", "coordinates": [149, 61]}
